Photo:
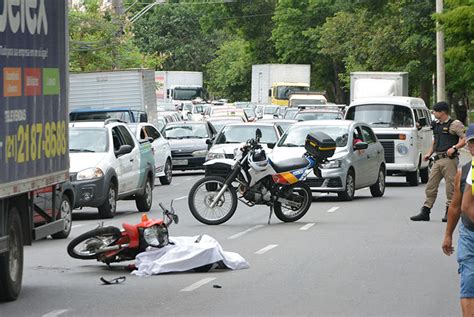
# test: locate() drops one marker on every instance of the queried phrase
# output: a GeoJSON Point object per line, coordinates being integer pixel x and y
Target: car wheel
{"type": "Point", "coordinates": [166, 179]}
{"type": "Point", "coordinates": [145, 201]}
{"type": "Point", "coordinates": [109, 207]}
{"type": "Point", "coordinates": [65, 209]}
{"type": "Point", "coordinates": [378, 189]}
{"type": "Point", "coordinates": [349, 190]}
{"type": "Point", "coordinates": [413, 178]}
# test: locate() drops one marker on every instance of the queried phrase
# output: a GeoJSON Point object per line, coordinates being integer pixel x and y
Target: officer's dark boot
{"type": "Point", "coordinates": [424, 215]}
{"type": "Point", "coordinates": [445, 218]}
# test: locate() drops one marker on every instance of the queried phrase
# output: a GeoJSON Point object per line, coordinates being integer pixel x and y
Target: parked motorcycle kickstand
{"type": "Point", "coordinates": [270, 215]}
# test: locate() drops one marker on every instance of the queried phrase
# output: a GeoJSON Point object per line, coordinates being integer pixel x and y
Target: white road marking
{"type": "Point", "coordinates": [180, 198]}
{"type": "Point", "coordinates": [55, 313]}
{"type": "Point", "coordinates": [307, 226]}
{"type": "Point", "coordinates": [333, 209]}
{"type": "Point", "coordinates": [266, 249]}
{"type": "Point", "coordinates": [77, 226]}
{"type": "Point", "coordinates": [198, 284]}
{"type": "Point", "coordinates": [238, 235]}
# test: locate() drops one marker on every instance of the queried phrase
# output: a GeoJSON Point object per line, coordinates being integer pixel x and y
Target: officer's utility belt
{"type": "Point", "coordinates": [442, 155]}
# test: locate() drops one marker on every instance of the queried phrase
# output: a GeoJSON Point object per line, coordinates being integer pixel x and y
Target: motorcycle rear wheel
{"type": "Point", "coordinates": [93, 240]}
{"type": "Point", "coordinates": [202, 195]}
{"type": "Point", "coordinates": [290, 214]}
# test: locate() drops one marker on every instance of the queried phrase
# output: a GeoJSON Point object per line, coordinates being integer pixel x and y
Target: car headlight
{"type": "Point", "coordinates": [200, 153]}
{"type": "Point", "coordinates": [402, 149]}
{"type": "Point", "coordinates": [213, 156]}
{"type": "Point", "coordinates": [156, 236]}
{"type": "Point", "coordinates": [331, 164]}
{"type": "Point", "coordinates": [90, 173]}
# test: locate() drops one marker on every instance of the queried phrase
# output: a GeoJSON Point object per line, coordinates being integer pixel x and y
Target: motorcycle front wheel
{"type": "Point", "coordinates": [203, 194]}
{"type": "Point", "coordinates": [299, 197]}
{"type": "Point", "coordinates": [87, 245]}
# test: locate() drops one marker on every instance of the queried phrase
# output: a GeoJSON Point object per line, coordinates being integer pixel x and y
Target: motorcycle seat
{"type": "Point", "coordinates": [290, 164]}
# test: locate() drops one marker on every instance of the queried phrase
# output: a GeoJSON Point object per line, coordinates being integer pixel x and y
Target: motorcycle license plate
{"type": "Point", "coordinates": [180, 162]}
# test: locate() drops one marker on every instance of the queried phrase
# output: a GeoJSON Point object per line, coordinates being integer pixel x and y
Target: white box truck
{"type": "Point", "coordinates": [178, 86]}
{"type": "Point", "coordinates": [128, 93]}
{"type": "Point", "coordinates": [273, 83]}
{"type": "Point", "coordinates": [378, 84]}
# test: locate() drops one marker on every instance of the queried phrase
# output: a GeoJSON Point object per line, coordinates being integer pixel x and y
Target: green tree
{"type": "Point", "coordinates": [100, 41]}
{"type": "Point", "coordinates": [230, 72]}
{"type": "Point", "coordinates": [458, 26]}
{"type": "Point", "coordinates": [173, 30]}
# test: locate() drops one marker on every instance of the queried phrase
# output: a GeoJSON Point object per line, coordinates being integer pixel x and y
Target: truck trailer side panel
{"type": "Point", "coordinates": [34, 101]}
{"type": "Point", "coordinates": [378, 84]}
{"type": "Point", "coordinates": [133, 89]}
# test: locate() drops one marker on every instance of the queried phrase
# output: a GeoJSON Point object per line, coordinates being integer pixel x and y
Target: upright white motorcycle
{"type": "Point", "coordinates": [259, 181]}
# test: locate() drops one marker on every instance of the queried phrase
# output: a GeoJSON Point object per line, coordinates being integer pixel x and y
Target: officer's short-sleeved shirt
{"type": "Point", "coordinates": [457, 128]}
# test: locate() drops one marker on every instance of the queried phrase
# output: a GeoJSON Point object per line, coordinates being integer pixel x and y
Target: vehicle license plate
{"type": "Point", "coordinates": [180, 162]}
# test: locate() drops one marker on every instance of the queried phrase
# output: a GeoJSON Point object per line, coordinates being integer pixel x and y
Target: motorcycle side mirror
{"type": "Point", "coordinates": [258, 134]}
{"type": "Point", "coordinates": [175, 218]}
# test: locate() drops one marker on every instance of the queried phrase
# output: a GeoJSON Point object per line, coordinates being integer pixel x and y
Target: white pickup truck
{"type": "Point", "coordinates": [107, 163]}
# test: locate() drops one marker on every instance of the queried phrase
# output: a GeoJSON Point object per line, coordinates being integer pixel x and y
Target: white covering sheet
{"type": "Point", "coordinates": [185, 254]}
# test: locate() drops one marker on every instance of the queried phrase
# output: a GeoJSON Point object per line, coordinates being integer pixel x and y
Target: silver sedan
{"type": "Point", "coordinates": [358, 161]}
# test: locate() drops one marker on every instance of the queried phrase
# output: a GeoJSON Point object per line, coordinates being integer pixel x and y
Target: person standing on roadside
{"type": "Point", "coordinates": [449, 138]}
{"type": "Point", "coordinates": [462, 206]}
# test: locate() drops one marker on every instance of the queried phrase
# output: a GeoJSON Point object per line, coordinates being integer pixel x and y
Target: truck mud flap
{"type": "Point", "coordinates": [48, 229]}
{"type": "Point", "coordinates": [3, 244]}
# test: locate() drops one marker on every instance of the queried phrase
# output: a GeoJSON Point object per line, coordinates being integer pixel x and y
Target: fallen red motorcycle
{"type": "Point", "coordinates": [110, 244]}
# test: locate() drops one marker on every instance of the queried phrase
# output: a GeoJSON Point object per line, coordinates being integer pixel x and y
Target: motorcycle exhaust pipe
{"type": "Point", "coordinates": [113, 248]}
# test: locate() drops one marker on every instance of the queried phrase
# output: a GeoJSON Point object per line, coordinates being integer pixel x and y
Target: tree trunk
{"type": "Point", "coordinates": [425, 92]}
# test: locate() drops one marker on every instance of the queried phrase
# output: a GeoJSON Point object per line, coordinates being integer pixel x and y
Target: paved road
{"type": "Point", "coordinates": [360, 258]}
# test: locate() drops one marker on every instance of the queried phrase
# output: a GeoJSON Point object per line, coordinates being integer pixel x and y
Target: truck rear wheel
{"type": "Point", "coordinates": [11, 262]}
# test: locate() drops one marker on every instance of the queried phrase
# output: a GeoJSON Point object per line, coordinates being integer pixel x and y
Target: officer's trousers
{"type": "Point", "coordinates": [442, 168]}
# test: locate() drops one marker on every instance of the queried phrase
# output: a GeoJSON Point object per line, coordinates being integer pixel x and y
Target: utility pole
{"type": "Point", "coordinates": [440, 73]}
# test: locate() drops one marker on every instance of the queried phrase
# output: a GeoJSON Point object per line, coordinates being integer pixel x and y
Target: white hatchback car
{"type": "Point", "coordinates": [160, 148]}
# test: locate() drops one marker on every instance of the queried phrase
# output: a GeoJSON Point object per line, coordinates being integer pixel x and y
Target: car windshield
{"type": "Point", "coordinates": [250, 113]}
{"type": "Point", "coordinates": [198, 109]}
{"type": "Point", "coordinates": [88, 140]}
{"type": "Point", "coordinates": [296, 136]}
{"type": "Point", "coordinates": [290, 113]}
{"type": "Point", "coordinates": [100, 116]}
{"type": "Point", "coordinates": [284, 91]}
{"type": "Point", "coordinates": [187, 93]}
{"type": "Point", "coordinates": [302, 116]}
{"type": "Point", "coordinates": [166, 107]}
{"type": "Point", "coordinates": [186, 131]}
{"type": "Point", "coordinates": [270, 110]}
{"type": "Point", "coordinates": [239, 134]}
{"type": "Point", "coordinates": [297, 102]}
{"type": "Point", "coordinates": [392, 116]}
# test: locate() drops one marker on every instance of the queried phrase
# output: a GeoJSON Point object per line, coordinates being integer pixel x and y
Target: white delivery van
{"type": "Point", "coordinates": [403, 126]}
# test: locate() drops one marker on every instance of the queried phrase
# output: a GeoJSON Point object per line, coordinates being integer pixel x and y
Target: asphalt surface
{"type": "Point", "coordinates": [359, 258]}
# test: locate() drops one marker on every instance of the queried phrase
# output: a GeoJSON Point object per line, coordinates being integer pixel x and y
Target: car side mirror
{"type": "Point", "coordinates": [361, 146]}
{"type": "Point", "coordinates": [149, 139]}
{"type": "Point", "coordinates": [124, 149]}
{"type": "Point", "coordinates": [421, 123]}
{"type": "Point", "coordinates": [269, 92]}
{"type": "Point", "coordinates": [209, 142]}
{"type": "Point", "coordinates": [275, 116]}
{"type": "Point", "coordinates": [271, 145]}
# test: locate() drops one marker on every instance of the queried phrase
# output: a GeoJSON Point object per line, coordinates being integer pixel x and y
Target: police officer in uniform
{"type": "Point", "coordinates": [449, 138]}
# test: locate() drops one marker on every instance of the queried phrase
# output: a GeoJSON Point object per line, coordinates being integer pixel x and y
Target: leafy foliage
{"type": "Point", "coordinates": [99, 41]}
